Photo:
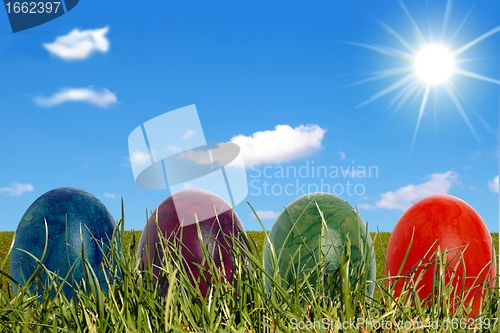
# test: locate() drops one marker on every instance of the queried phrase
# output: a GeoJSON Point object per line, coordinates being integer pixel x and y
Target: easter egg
{"type": "Point", "coordinates": [167, 237]}
{"type": "Point", "coordinates": [55, 229]}
{"type": "Point", "coordinates": [450, 224]}
{"type": "Point", "coordinates": [300, 240]}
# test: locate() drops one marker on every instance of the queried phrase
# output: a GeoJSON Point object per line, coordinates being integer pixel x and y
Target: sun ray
{"type": "Point", "coordinates": [477, 40]}
{"type": "Point", "coordinates": [486, 126]}
{"type": "Point", "coordinates": [461, 25]}
{"type": "Point", "coordinates": [437, 103]}
{"type": "Point", "coordinates": [476, 76]}
{"type": "Point", "coordinates": [420, 114]}
{"type": "Point", "coordinates": [387, 90]}
{"type": "Point", "coordinates": [446, 20]}
{"type": "Point", "coordinates": [421, 89]}
{"type": "Point", "coordinates": [379, 75]}
{"type": "Point", "coordinates": [382, 49]}
{"type": "Point", "coordinates": [429, 26]}
{"type": "Point", "coordinates": [400, 95]}
{"type": "Point", "coordinates": [461, 109]}
{"type": "Point", "coordinates": [483, 122]}
{"type": "Point", "coordinates": [414, 88]}
{"type": "Point", "coordinates": [403, 41]}
{"type": "Point", "coordinates": [416, 30]}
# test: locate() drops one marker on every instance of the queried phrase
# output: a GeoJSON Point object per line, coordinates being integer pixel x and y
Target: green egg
{"type": "Point", "coordinates": [300, 241]}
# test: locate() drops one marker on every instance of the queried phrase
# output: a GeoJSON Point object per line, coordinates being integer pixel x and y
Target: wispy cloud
{"type": "Point", "coordinates": [402, 198]}
{"type": "Point", "coordinates": [476, 155]}
{"type": "Point", "coordinates": [110, 195]}
{"type": "Point", "coordinates": [16, 189]}
{"type": "Point", "coordinates": [266, 214]}
{"type": "Point", "coordinates": [79, 44]}
{"type": "Point", "coordinates": [101, 98]}
{"type": "Point", "coordinates": [283, 144]}
{"type": "Point", "coordinates": [493, 185]}
{"type": "Point", "coordinates": [188, 134]}
{"type": "Point", "coordinates": [341, 155]}
{"type": "Point", "coordinates": [173, 149]}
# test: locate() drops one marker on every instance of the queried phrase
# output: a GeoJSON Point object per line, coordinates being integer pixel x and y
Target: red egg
{"type": "Point", "coordinates": [454, 226]}
{"type": "Point", "coordinates": [217, 234]}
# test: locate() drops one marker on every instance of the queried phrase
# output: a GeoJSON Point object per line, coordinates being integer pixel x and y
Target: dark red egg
{"type": "Point", "coordinates": [451, 224]}
{"type": "Point", "coordinates": [175, 217]}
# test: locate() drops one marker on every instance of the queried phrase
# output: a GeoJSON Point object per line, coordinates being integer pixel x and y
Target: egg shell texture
{"type": "Point", "coordinates": [299, 228]}
{"type": "Point", "coordinates": [74, 218]}
{"type": "Point", "coordinates": [216, 235]}
{"type": "Point", "coordinates": [452, 225]}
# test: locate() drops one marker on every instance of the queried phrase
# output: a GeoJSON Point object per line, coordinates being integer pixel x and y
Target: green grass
{"type": "Point", "coordinates": [380, 240]}
{"type": "Point", "coordinates": [132, 303]}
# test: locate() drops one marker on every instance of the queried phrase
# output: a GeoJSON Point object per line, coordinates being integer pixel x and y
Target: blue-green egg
{"type": "Point", "coordinates": [79, 230]}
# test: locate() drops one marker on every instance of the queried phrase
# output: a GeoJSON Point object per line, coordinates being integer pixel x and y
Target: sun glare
{"type": "Point", "coordinates": [434, 64]}
{"type": "Point", "coordinates": [432, 68]}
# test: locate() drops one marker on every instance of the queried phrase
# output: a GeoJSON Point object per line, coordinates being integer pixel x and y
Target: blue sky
{"type": "Point", "coordinates": [277, 79]}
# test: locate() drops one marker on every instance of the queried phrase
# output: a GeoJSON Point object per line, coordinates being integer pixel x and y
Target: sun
{"type": "Point", "coordinates": [434, 64]}
{"type": "Point", "coordinates": [432, 67]}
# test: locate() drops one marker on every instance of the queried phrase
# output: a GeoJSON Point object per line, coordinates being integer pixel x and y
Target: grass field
{"type": "Point", "coordinates": [132, 304]}
{"type": "Point", "coordinates": [380, 243]}
{"type": "Point", "coordinates": [379, 240]}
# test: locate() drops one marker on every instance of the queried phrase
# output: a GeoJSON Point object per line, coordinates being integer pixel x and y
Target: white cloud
{"type": "Point", "coordinates": [139, 158]}
{"type": "Point", "coordinates": [341, 155]}
{"type": "Point", "coordinates": [188, 134]}
{"type": "Point", "coordinates": [402, 198]}
{"type": "Point", "coordinates": [79, 45]}
{"type": "Point", "coordinates": [266, 214]}
{"type": "Point", "coordinates": [283, 144]}
{"type": "Point", "coordinates": [101, 98]}
{"type": "Point", "coordinates": [173, 149]}
{"type": "Point", "coordinates": [110, 195]}
{"type": "Point", "coordinates": [493, 185]}
{"type": "Point", "coordinates": [16, 189]}
{"type": "Point", "coordinates": [200, 157]}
